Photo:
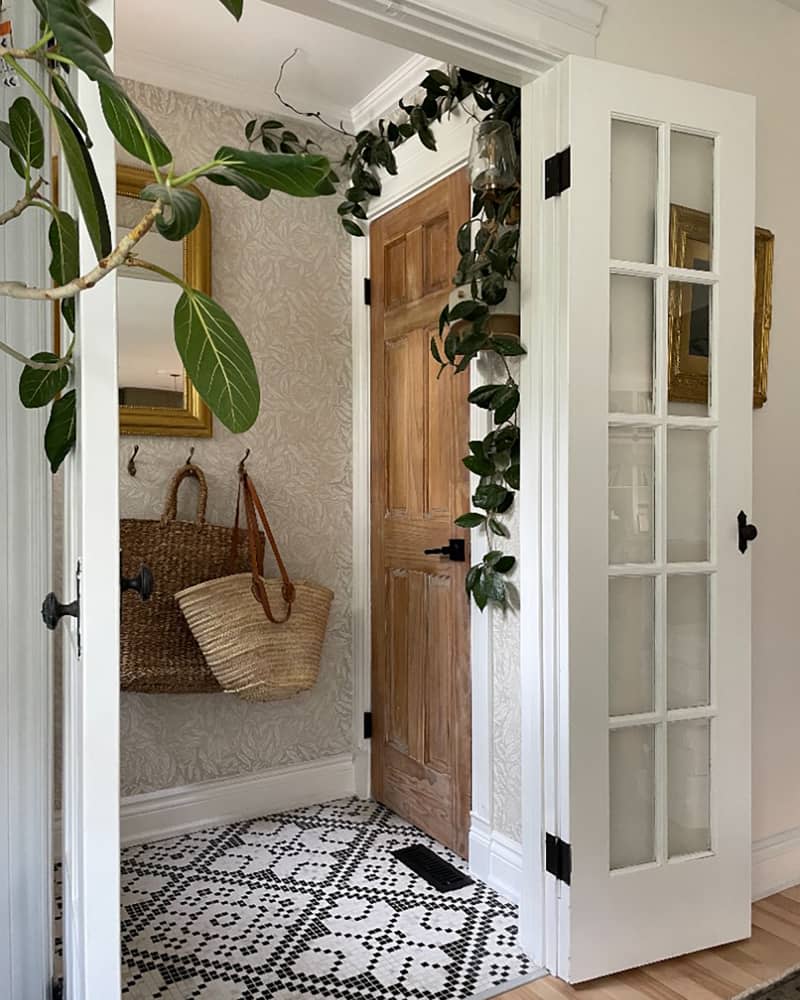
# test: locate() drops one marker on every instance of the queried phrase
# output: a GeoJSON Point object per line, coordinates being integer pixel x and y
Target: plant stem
{"type": "Point", "coordinates": [28, 199]}
{"type": "Point", "coordinates": [44, 366]}
{"type": "Point", "coordinates": [147, 266]}
{"type": "Point", "coordinates": [192, 175]}
{"type": "Point", "coordinates": [27, 78]}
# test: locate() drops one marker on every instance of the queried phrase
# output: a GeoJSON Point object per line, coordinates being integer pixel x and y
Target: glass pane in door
{"type": "Point", "coordinates": [688, 647]}
{"type": "Point", "coordinates": [631, 496]}
{"type": "Point", "coordinates": [689, 787]}
{"type": "Point", "coordinates": [631, 645]}
{"type": "Point", "coordinates": [634, 186]}
{"type": "Point", "coordinates": [688, 492]}
{"type": "Point", "coordinates": [691, 173]}
{"type": "Point", "coordinates": [630, 388]}
{"type": "Point", "coordinates": [633, 796]}
{"type": "Point", "coordinates": [690, 368]}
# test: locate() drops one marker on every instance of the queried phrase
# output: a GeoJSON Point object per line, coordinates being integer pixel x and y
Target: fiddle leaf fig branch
{"type": "Point", "coordinates": [488, 247]}
{"type": "Point", "coordinates": [216, 357]}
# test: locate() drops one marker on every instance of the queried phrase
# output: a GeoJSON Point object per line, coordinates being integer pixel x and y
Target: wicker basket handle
{"type": "Point", "coordinates": [254, 511]}
{"type": "Point", "coordinates": [171, 507]}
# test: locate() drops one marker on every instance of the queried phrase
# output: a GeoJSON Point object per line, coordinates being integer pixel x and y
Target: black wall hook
{"type": "Point", "coordinates": [191, 456]}
{"type": "Point", "coordinates": [242, 463]}
{"type": "Point", "coordinates": [132, 461]}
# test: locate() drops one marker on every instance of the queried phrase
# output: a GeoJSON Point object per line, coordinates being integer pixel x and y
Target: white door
{"type": "Point", "coordinates": [91, 643]}
{"type": "Point", "coordinates": [646, 284]}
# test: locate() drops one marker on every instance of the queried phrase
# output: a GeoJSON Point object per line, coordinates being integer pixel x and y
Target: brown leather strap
{"type": "Point", "coordinates": [171, 506]}
{"type": "Point", "coordinates": [254, 511]}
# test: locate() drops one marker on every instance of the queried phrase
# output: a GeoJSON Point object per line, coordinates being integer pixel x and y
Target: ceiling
{"type": "Point", "coordinates": [791, 3]}
{"type": "Point", "coordinates": [211, 56]}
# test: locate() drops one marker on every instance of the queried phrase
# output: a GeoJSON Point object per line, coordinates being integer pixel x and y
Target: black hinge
{"type": "Point", "coordinates": [367, 725]}
{"type": "Point", "coordinates": [57, 989]}
{"type": "Point", "coordinates": [558, 858]}
{"type": "Point", "coordinates": [558, 173]}
{"type": "Point", "coordinates": [367, 292]}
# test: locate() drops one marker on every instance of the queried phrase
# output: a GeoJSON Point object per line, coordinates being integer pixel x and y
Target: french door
{"type": "Point", "coordinates": [91, 642]}
{"type": "Point", "coordinates": [646, 618]}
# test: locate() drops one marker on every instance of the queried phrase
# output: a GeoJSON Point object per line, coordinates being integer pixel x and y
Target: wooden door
{"type": "Point", "coordinates": [420, 613]}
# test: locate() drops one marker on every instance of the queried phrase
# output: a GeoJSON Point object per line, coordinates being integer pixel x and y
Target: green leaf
{"type": "Point", "coordinates": [84, 180]}
{"type": "Point", "coordinates": [468, 309]}
{"type": "Point", "coordinates": [493, 289]}
{"type": "Point", "coordinates": [130, 127]}
{"type": "Point", "coordinates": [234, 6]}
{"type": "Point", "coordinates": [181, 212]}
{"type": "Point", "coordinates": [507, 344]}
{"type": "Point", "coordinates": [99, 29]}
{"type": "Point", "coordinates": [230, 178]}
{"type": "Point", "coordinates": [6, 137]}
{"type": "Point", "coordinates": [484, 395]}
{"type": "Point", "coordinates": [68, 102]}
{"type": "Point", "coordinates": [299, 175]}
{"type": "Point", "coordinates": [480, 466]}
{"type": "Point", "coordinates": [37, 386]}
{"type": "Point", "coordinates": [352, 228]}
{"type": "Point", "coordinates": [498, 528]}
{"type": "Point", "coordinates": [27, 132]}
{"type": "Point", "coordinates": [490, 496]}
{"type": "Point", "coordinates": [444, 319]}
{"type": "Point", "coordinates": [64, 261]}
{"type": "Point", "coordinates": [76, 35]}
{"type": "Point", "coordinates": [470, 520]}
{"type": "Point", "coordinates": [505, 403]}
{"type": "Point", "coordinates": [59, 437]}
{"type": "Point", "coordinates": [464, 237]}
{"type": "Point", "coordinates": [505, 565]}
{"type": "Point", "coordinates": [217, 360]}
{"type": "Point", "coordinates": [17, 163]}
{"type": "Point", "coordinates": [435, 351]}
{"type": "Point", "coordinates": [512, 476]}
{"type": "Point", "coordinates": [494, 587]}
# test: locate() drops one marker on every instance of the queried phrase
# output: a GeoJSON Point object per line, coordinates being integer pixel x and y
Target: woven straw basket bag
{"type": "Point", "coordinates": [251, 651]}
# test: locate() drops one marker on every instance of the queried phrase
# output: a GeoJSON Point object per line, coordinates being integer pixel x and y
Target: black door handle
{"type": "Point", "coordinates": [142, 583]}
{"type": "Point", "coordinates": [455, 550]}
{"type": "Point", "coordinates": [747, 532]}
{"type": "Point", "coordinates": [53, 611]}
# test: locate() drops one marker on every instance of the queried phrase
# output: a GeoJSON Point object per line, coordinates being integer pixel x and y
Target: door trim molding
{"type": "Point", "coordinates": [495, 859]}
{"type": "Point", "coordinates": [26, 652]}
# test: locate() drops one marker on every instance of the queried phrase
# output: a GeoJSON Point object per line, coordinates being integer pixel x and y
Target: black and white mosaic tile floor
{"type": "Point", "coordinates": [308, 905]}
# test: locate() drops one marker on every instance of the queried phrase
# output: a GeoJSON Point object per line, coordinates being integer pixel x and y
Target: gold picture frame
{"type": "Point", "coordinates": [690, 247]}
{"type": "Point", "coordinates": [194, 419]}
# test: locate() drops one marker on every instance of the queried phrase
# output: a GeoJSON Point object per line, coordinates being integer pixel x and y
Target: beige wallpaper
{"type": "Point", "coordinates": [282, 269]}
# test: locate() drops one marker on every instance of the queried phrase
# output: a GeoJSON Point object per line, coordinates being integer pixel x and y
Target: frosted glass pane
{"type": "Point", "coordinates": [692, 189]}
{"type": "Point", "coordinates": [689, 786]}
{"type": "Point", "coordinates": [631, 644]}
{"type": "Point", "coordinates": [630, 388]}
{"type": "Point", "coordinates": [634, 184]}
{"type": "Point", "coordinates": [633, 801]}
{"type": "Point", "coordinates": [689, 348]}
{"type": "Point", "coordinates": [631, 498]}
{"type": "Point", "coordinates": [688, 663]}
{"type": "Point", "coordinates": [688, 491]}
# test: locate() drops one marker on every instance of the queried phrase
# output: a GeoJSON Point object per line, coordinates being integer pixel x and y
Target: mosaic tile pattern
{"type": "Point", "coordinates": [308, 905]}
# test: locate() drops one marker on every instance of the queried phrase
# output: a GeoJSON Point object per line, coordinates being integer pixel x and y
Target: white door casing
{"type": "Point", "coordinates": [662, 898]}
{"type": "Point", "coordinates": [91, 678]}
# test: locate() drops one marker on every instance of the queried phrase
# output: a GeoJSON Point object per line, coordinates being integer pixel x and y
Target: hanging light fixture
{"type": "Point", "coordinates": [492, 158]}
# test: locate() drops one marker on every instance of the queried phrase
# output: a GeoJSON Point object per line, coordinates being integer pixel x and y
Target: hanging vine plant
{"type": "Point", "coordinates": [488, 245]}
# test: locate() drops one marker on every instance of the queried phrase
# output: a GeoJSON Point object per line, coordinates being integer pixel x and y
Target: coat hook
{"type": "Point", "coordinates": [132, 461]}
{"type": "Point", "coordinates": [241, 464]}
{"type": "Point", "coordinates": [191, 456]}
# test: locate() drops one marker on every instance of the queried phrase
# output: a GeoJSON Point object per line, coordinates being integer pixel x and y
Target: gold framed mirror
{"type": "Point", "coordinates": [156, 396]}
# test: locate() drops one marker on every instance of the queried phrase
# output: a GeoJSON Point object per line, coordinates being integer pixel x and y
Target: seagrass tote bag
{"type": "Point", "coordinates": [254, 651]}
{"type": "Point", "coordinates": [159, 652]}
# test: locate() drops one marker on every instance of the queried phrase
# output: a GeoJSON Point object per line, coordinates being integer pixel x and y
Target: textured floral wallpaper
{"type": "Point", "coordinates": [282, 269]}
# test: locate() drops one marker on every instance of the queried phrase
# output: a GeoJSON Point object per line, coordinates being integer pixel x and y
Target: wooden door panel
{"type": "Point", "coordinates": [420, 663]}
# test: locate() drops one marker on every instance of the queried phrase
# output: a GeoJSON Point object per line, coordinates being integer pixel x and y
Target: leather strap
{"type": "Point", "coordinates": [254, 512]}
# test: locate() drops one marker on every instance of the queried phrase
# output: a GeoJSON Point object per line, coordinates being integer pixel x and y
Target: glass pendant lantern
{"type": "Point", "coordinates": [492, 158]}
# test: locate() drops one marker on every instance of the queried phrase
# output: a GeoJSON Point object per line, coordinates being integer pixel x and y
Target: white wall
{"type": "Point", "coordinates": [753, 46]}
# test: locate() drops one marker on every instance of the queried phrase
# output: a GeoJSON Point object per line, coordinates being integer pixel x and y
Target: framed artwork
{"type": "Point", "coordinates": [690, 247]}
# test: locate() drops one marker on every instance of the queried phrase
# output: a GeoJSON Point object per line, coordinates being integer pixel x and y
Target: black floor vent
{"type": "Point", "coordinates": [435, 870]}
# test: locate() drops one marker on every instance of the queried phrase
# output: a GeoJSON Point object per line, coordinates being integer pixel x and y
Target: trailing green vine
{"type": "Point", "coordinates": [488, 245]}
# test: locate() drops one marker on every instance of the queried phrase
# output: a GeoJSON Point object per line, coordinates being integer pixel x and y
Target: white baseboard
{"type": "Point", "coordinates": [495, 859]}
{"type": "Point", "coordinates": [776, 863]}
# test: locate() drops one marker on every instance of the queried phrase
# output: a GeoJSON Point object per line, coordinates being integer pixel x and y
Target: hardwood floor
{"type": "Point", "coordinates": [718, 974]}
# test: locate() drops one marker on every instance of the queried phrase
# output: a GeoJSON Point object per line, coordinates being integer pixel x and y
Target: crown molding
{"type": "Point", "coordinates": [383, 98]}
{"type": "Point", "coordinates": [170, 74]}
{"type": "Point", "coordinates": [514, 40]}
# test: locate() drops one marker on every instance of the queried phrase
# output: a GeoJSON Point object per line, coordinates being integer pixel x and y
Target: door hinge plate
{"type": "Point", "coordinates": [558, 173]}
{"type": "Point", "coordinates": [57, 989]}
{"type": "Point", "coordinates": [367, 725]}
{"type": "Point", "coordinates": [558, 858]}
{"type": "Point", "coordinates": [367, 291]}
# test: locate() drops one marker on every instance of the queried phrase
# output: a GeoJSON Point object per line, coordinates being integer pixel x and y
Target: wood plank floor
{"type": "Point", "coordinates": [718, 974]}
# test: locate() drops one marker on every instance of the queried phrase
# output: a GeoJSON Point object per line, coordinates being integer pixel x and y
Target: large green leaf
{"type": "Point", "coordinates": [75, 35]}
{"type": "Point", "coordinates": [130, 127]}
{"type": "Point", "coordinates": [59, 438]}
{"type": "Point", "coordinates": [27, 132]}
{"type": "Point", "coordinates": [217, 360]}
{"type": "Point", "coordinates": [84, 180]}
{"type": "Point", "coordinates": [181, 211]}
{"type": "Point", "coordinates": [8, 140]}
{"type": "Point", "coordinates": [302, 176]}
{"type": "Point", "coordinates": [99, 29]}
{"type": "Point", "coordinates": [38, 386]}
{"type": "Point", "coordinates": [69, 104]}
{"type": "Point", "coordinates": [64, 260]}
{"type": "Point", "coordinates": [232, 178]}
{"type": "Point", "coordinates": [234, 6]}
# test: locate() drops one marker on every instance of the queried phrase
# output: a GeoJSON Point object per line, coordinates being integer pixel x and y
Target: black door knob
{"type": "Point", "coordinates": [142, 583]}
{"type": "Point", "coordinates": [455, 550]}
{"type": "Point", "coordinates": [747, 532]}
{"type": "Point", "coordinates": [53, 611]}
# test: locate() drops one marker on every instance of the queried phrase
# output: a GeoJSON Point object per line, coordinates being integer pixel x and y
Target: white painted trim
{"type": "Point", "coordinates": [495, 859]}
{"type": "Point", "coordinates": [25, 577]}
{"type": "Point", "coordinates": [170, 812]}
{"type": "Point", "coordinates": [776, 863]}
{"type": "Point", "coordinates": [512, 40]}
{"type": "Point", "coordinates": [382, 100]}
